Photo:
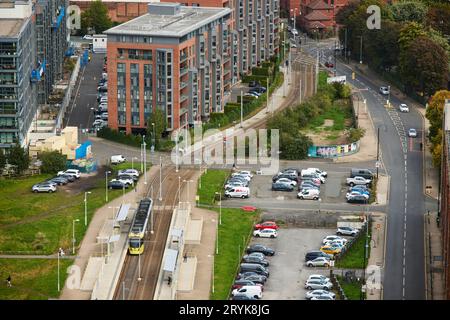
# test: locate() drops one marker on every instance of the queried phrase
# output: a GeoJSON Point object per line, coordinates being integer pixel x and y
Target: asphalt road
{"type": "Point", "coordinates": [404, 267]}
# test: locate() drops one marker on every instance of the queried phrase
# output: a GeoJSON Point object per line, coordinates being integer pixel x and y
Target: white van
{"type": "Point", "coordinates": [237, 192]}
{"type": "Point", "coordinates": [249, 291]}
{"type": "Point", "coordinates": [118, 159]}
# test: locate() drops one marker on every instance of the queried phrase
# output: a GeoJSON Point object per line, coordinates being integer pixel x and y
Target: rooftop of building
{"type": "Point", "coordinates": [10, 27]}
{"type": "Point", "coordinates": [156, 23]}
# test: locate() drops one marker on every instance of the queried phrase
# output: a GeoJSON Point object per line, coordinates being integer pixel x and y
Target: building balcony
{"type": "Point", "coordinates": [7, 67]}
{"type": "Point", "coordinates": [183, 57]}
{"type": "Point", "coordinates": [183, 71]}
{"type": "Point", "coordinates": [8, 53]}
{"type": "Point", "coordinates": [183, 84]}
{"type": "Point", "coordinates": [183, 98]}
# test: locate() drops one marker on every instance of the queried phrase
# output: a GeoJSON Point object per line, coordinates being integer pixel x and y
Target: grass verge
{"type": "Point", "coordinates": [32, 279]}
{"type": "Point", "coordinates": [211, 182]}
{"type": "Point", "coordinates": [354, 257]}
{"type": "Point", "coordinates": [351, 289]}
{"type": "Point", "coordinates": [234, 234]}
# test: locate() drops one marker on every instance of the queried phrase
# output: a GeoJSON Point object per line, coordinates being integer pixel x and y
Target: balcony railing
{"type": "Point", "coordinates": [183, 57]}
{"type": "Point", "coordinates": [183, 84]}
{"type": "Point", "coordinates": [183, 71]}
{"type": "Point", "coordinates": [183, 98]}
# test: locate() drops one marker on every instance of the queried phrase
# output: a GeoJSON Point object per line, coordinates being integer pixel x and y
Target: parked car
{"type": "Point", "coordinates": [331, 249]}
{"type": "Point", "coordinates": [251, 95]}
{"type": "Point", "coordinates": [308, 185]}
{"type": "Point", "coordinates": [253, 92]}
{"type": "Point", "coordinates": [242, 296]}
{"type": "Point", "coordinates": [251, 291]}
{"type": "Point", "coordinates": [69, 177]}
{"type": "Point", "coordinates": [311, 255]}
{"type": "Point", "coordinates": [265, 233]}
{"type": "Point", "coordinates": [260, 248]}
{"type": "Point", "coordinates": [254, 259]}
{"type": "Point", "coordinates": [365, 173]}
{"type": "Point", "coordinates": [126, 181]}
{"type": "Point", "coordinates": [412, 133]}
{"type": "Point", "coordinates": [329, 239]}
{"type": "Point", "coordinates": [289, 175]}
{"type": "Point", "coordinates": [232, 184]}
{"type": "Point", "coordinates": [254, 267]}
{"type": "Point", "coordinates": [294, 32]}
{"type": "Point", "coordinates": [358, 181]}
{"type": "Point", "coordinates": [267, 225]}
{"type": "Point", "coordinates": [259, 89]}
{"type": "Point", "coordinates": [356, 193]}
{"type": "Point", "coordinates": [384, 90]}
{"type": "Point", "coordinates": [116, 159]}
{"type": "Point", "coordinates": [315, 170]}
{"type": "Point", "coordinates": [338, 242]}
{"type": "Point", "coordinates": [318, 284]}
{"type": "Point", "coordinates": [329, 64]}
{"type": "Point", "coordinates": [73, 172]}
{"type": "Point", "coordinates": [360, 188]}
{"type": "Point", "coordinates": [99, 123]}
{"type": "Point", "coordinates": [362, 199]}
{"type": "Point", "coordinates": [347, 231]}
{"type": "Point", "coordinates": [323, 298]}
{"type": "Point", "coordinates": [312, 175]}
{"type": "Point", "coordinates": [58, 180]}
{"type": "Point", "coordinates": [242, 282]}
{"type": "Point", "coordinates": [319, 293]}
{"type": "Point", "coordinates": [256, 278]}
{"type": "Point", "coordinates": [243, 173]}
{"type": "Point", "coordinates": [281, 187]}
{"type": "Point", "coordinates": [287, 181]}
{"type": "Point", "coordinates": [88, 37]}
{"type": "Point", "coordinates": [318, 262]}
{"type": "Point", "coordinates": [253, 84]}
{"type": "Point", "coordinates": [313, 181]}
{"type": "Point", "coordinates": [403, 107]}
{"type": "Point", "coordinates": [257, 254]}
{"type": "Point", "coordinates": [116, 184]}
{"type": "Point", "coordinates": [237, 192]}
{"type": "Point", "coordinates": [309, 194]}
{"type": "Point", "coordinates": [44, 187]}
{"type": "Point", "coordinates": [243, 177]}
{"type": "Point", "coordinates": [318, 277]}
{"type": "Point", "coordinates": [131, 172]}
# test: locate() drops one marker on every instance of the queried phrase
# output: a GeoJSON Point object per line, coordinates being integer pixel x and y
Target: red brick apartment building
{"type": "Point", "coordinates": [174, 58]}
{"type": "Point", "coordinates": [445, 199]}
{"type": "Point", "coordinates": [119, 11]}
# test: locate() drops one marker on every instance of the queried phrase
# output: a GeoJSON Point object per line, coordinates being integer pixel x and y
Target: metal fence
{"type": "Point", "coordinates": [68, 95]}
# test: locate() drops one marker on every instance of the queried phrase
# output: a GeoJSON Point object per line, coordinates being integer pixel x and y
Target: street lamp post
{"type": "Point", "coordinates": [360, 49]}
{"type": "Point", "coordinates": [176, 151]}
{"type": "Point", "coordinates": [145, 159]}
{"type": "Point", "coordinates": [378, 148]}
{"type": "Point", "coordinates": [106, 185]}
{"type": "Point", "coordinates": [85, 207]}
{"type": "Point", "coordinates": [59, 287]}
{"type": "Point", "coordinates": [179, 190]}
{"type": "Point", "coordinates": [294, 11]}
{"type": "Point", "coordinates": [242, 108]}
{"type": "Point", "coordinates": [268, 94]}
{"type": "Point", "coordinates": [132, 162]}
{"type": "Point", "coordinates": [160, 178]}
{"type": "Point", "coordinates": [154, 137]}
{"type": "Point", "coordinates": [73, 234]}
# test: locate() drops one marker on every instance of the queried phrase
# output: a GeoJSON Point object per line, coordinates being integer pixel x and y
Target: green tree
{"type": "Point", "coordinates": [19, 158]}
{"type": "Point", "coordinates": [409, 10]}
{"type": "Point", "coordinates": [159, 119]}
{"type": "Point", "coordinates": [52, 161]}
{"type": "Point", "coordinates": [96, 18]}
{"type": "Point", "coordinates": [435, 111]}
{"type": "Point", "coordinates": [2, 160]}
{"type": "Point", "coordinates": [425, 66]}
{"type": "Point", "coordinates": [438, 17]}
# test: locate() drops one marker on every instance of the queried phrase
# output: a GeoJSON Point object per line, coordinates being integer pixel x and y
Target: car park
{"type": "Point", "coordinates": [318, 284]}
{"type": "Point", "coordinates": [318, 262]}
{"type": "Point", "coordinates": [44, 187]}
{"type": "Point", "coordinates": [260, 248]}
{"type": "Point", "coordinates": [255, 259]}
{"type": "Point", "coordinates": [384, 90]}
{"type": "Point", "coordinates": [281, 187]}
{"type": "Point", "coordinates": [73, 172]}
{"type": "Point", "coordinates": [412, 133]}
{"type": "Point", "coordinates": [287, 181]}
{"type": "Point", "coordinates": [265, 233]}
{"type": "Point", "coordinates": [267, 225]}
{"type": "Point", "coordinates": [237, 192]}
{"type": "Point", "coordinates": [320, 293]}
{"type": "Point", "coordinates": [251, 291]}
{"type": "Point", "coordinates": [358, 181]}
{"type": "Point", "coordinates": [116, 159]}
{"type": "Point", "coordinates": [116, 184]}
{"type": "Point", "coordinates": [347, 231]}
{"type": "Point", "coordinates": [309, 194]}
{"type": "Point", "coordinates": [329, 239]}
{"type": "Point", "coordinates": [403, 107]}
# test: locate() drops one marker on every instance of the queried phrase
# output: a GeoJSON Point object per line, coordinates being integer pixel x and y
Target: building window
{"type": "Point", "coordinates": [134, 68]}
{"type": "Point", "coordinates": [121, 67]}
{"type": "Point", "coordinates": [121, 118]}
{"type": "Point", "coordinates": [135, 119]}
{"type": "Point", "coordinates": [121, 106]}
{"type": "Point", "coordinates": [147, 54]}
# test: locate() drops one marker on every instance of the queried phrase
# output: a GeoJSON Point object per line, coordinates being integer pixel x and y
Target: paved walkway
{"type": "Point", "coordinates": [18, 256]}
{"type": "Point", "coordinates": [376, 259]}
{"type": "Point", "coordinates": [89, 246]}
{"type": "Point", "coordinates": [433, 259]}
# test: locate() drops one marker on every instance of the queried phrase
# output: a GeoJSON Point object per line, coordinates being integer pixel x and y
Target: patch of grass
{"type": "Point", "coordinates": [336, 114]}
{"type": "Point", "coordinates": [234, 234]}
{"type": "Point", "coordinates": [373, 190]}
{"type": "Point", "coordinates": [211, 182]}
{"type": "Point", "coordinates": [354, 257]}
{"type": "Point", "coordinates": [333, 136]}
{"type": "Point", "coordinates": [41, 223]}
{"type": "Point", "coordinates": [32, 279]}
{"type": "Point", "coordinates": [351, 289]}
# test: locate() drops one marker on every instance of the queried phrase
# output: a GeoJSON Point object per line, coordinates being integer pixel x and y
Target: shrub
{"type": "Point", "coordinates": [355, 134]}
{"type": "Point", "coordinates": [52, 161]}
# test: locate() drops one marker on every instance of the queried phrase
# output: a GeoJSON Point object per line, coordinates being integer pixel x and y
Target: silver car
{"type": "Point", "coordinates": [318, 262]}
{"type": "Point", "coordinates": [45, 187]}
{"type": "Point", "coordinates": [319, 293]}
{"type": "Point", "coordinates": [318, 284]}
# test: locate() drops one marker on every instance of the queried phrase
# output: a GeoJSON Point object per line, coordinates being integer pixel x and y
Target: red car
{"type": "Point", "coordinates": [241, 282]}
{"type": "Point", "coordinates": [267, 225]}
{"type": "Point", "coordinates": [329, 64]}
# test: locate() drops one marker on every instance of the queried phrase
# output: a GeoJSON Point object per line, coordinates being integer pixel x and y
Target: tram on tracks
{"type": "Point", "coordinates": [139, 227]}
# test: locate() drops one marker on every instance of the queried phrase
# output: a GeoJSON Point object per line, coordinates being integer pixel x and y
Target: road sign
{"type": "Point", "coordinates": [377, 164]}
{"type": "Point", "coordinates": [331, 263]}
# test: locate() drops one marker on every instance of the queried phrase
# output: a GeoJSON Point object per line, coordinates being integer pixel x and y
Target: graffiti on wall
{"type": "Point", "coordinates": [333, 151]}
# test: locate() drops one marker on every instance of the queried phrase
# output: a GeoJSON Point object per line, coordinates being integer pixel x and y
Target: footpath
{"type": "Point", "coordinates": [432, 233]}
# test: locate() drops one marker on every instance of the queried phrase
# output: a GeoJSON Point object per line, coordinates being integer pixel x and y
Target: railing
{"type": "Point", "coordinates": [66, 100]}
{"type": "Point", "coordinates": [183, 84]}
{"type": "Point", "coordinates": [183, 71]}
{"type": "Point", "coordinates": [183, 97]}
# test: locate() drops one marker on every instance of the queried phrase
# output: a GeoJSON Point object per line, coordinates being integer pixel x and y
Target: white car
{"type": "Point", "coordinates": [129, 182]}
{"type": "Point", "coordinates": [356, 193]}
{"type": "Point", "coordinates": [244, 173]}
{"type": "Point", "coordinates": [250, 94]}
{"type": "Point", "coordinates": [288, 181]}
{"type": "Point", "coordinates": [412, 133]}
{"type": "Point", "coordinates": [88, 37]}
{"type": "Point", "coordinates": [237, 192]}
{"type": "Point", "coordinates": [318, 284]}
{"type": "Point", "coordinates": [316, 170]}
{"type": "Point", "coordinates": [403, 108]}
{"type": "Point", "coordinates": [294, 32]}
{"type": "Point", "coordinates": [309, 194]}
{"type": "Point", "coordinates": [348, 231]}
{"type": "Point", "coordinates": [99, 123]}
{"type": "Point", "coordinates": [329, 239]}
{"type": "Point", "coordinates": [44, 187]}
{"type": "Point", "coordinates": [318, 262]}
{"type": "Point", "coordinates": [318, 277]}
{"type": "Point", "coordinates": [323, 298]}
{"type": "Point", "coordinates": [131, 172]}
{"type": "Point", "coordinates": [384, 90]}
{"type": "Point", "coordinates": [248, 178]}
{"type": "Point", "coordinates": [72, 172]}
{"type": "Point", "coordinates": [118, 158]}
{"type": "Point", "coordinates": [265, 233]}
{"type": "Point", "coordinates": [249, 291]}
{"type": "Point", "coordinates": [319, 293]}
